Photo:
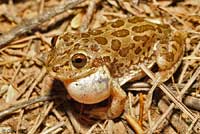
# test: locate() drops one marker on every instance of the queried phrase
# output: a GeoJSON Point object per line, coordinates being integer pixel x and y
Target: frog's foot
{"type": "Point", "coordinates": [118, 97]}
{"type": "Point", "coordinates": [169, 54]}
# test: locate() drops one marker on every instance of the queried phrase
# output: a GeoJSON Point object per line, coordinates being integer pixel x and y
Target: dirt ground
{"type": "Point", "coordinates": [33, 102]}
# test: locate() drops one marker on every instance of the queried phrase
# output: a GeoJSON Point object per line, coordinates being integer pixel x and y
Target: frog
{"type": "Point", "coordinates": [94, 65]}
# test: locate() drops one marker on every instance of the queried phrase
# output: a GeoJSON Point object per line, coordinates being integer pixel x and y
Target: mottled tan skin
{"type": "Point", "coordinates": [121, 46]}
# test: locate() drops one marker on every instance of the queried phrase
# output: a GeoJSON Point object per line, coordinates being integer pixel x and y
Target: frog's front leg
{"type": "Point", "coordinates": [169, 54]}
{"type": "Point", "coordinates": [118, 101]}
{"type": "Point", "coordinates": [116, 107]}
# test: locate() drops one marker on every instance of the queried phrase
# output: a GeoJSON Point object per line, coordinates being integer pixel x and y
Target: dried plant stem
{"type": "Point", "coordinates": [173, 118]}
{"type": "Point", "coordinates": [87, 18]}
{"type": "Point", "coordinates": [77, 126]}
{"type": "Point", "coordinates": [28, 25]}
{"type": "Point", "coordinates": [178, 103]}
{"type": "Point", "coordinates": [161, 119]}
{"type": "Point", "coordinates": [41, 118]}
{"type": "Point", "coordinates": [51, 129]}
{"type": "Point", "coordinates": [141, 109]}
{"type": "Point", "coordinates": [16, 107]}
{"type": "Point", "coordinates": [192, 102]}
{"type": "Point", "coordinates": [185, 67]}
{"type": "Point", "coordinates": [165, 89]}
{"type": "Point", "coordinates": [134, 124]}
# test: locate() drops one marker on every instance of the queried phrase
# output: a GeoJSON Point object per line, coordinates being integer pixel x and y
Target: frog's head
{"type": "Point", "coordinates": [71, 61]}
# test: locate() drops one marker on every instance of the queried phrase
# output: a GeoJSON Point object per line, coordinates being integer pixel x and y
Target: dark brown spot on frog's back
{"type": "Point", "coordinates": [141, 38]}
{"type": "Point", "coordinates": [69, 43]}
{"type": "Point", "coordinates": [94, 47]}
{"type": "Point", "coordinates": [84, 40]}
{"type": "Point", "coordinates": [135, 20]}
{"type": "Point", "coordinates": [97, 62]}
{"type": "Point", "coordinates": [163, 41]}
{"type": "Point", "coordinates": [120, 33]}
{"type": "Point", "coordinates": [174, 47]}
{"type": "Point", "coordinates": [70, 36]}
{"type": "Point", "coordinates": [163, 28]}
{"type": "Point", "coordinates": [65, 37]}
{"type": "Point", "coordinates": [101, 40]}
{"type": "Point", "coordinates": [148, 48]}
{"type": "Point", "coordinates": [132, 45]}
{"type": "Point", "coordinates": [77, 45]}
{"type": "Point", "coordinates": [178, 39]}
{"type": "Point", "coordinates": [107, 59]}
{"type": "Point", "coordinates": [159, 29]}
{"type": "Point", "coordinates": [115, 44]}
{"type": "Point", "coordinates": [163, 48]}
{"type": "Point", "coordinates": [169, 57]}
{"type": "Point", "coordinates": [85, 35]}
{"type": "Point", "coordinates": [143, 28]}
{"type": "Point", "coordinates": [117, 24]}
{"type": "Point", "coordinates": [138, 50]}
{"type": "Point", "coordinates": [95, 32]}
{"type": "Point", "coordinates": [124, 52]}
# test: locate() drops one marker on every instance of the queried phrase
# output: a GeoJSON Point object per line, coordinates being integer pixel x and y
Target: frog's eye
{"type": "Point", "coordinates": [79, 60]}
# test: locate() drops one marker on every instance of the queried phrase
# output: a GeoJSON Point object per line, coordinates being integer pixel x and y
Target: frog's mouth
{"type": "Point", "coordinates": [92, 88]}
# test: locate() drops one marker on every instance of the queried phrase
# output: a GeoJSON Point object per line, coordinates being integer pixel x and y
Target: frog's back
{"type": "Point", "coordinates": [124, 44]}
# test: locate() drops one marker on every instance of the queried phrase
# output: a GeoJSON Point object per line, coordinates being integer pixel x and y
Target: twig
{"type": "Point", "coordinates": [37, 80]}
{"type": "Point", "coordinates": [32, 87]}
{"type": "Point", "coordinates": [172, 105]}
{"type": "Point", "coordinates": [16, 107]}
{"type": "Point", "coordinates": [150, 94]}
{"type": "Point", "coordinates": [134, 124]}
{"type": "Point", "coordinates": [169, 93]}
{"type": "Point", "coordinates": [34, 37]}
{"type": "Point", "coordinates": [139, 86]}
{"type": "Point", "coordinates": [30, 24]}
{"type": "Point", "coordinates": [60, 124]}
{"type": "Point", "coordinates": [64, 119]}
{"type": "Point", "coordinates": [141, 113]}
{"type": "Point", "coordinates": [77, 125]}
{"type": "Point", "coordinates": [41, 118]}
{"type": "Point", "coordinates": [88, 16]}
{"type": "Point", "coordinates": [162, 118]}
{"type": "Point", "coordinates": [41, 9]}
{"type": "Point", "coordinates": [126, 6]}
{"type": "Point", "coordinates": [192, 102]}
{"type": "Point", "coordinates": [192, 125]}
{"type": "Point", "coordinates": [130, 103]}
{"type": "Point", "coordinates": [91, 129]}
{"type": "Point", "coordinates": [180, 104]}
{"type": "Point", "coordinates": [189, 83]}
{"type": "Point", "coordinates": [172, 118]}
{"type": "Point", "coordinates": [186, 65]}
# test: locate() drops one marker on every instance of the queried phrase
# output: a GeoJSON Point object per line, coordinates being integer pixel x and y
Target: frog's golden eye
{"type": "Point", "coordinates": [79, 60]}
